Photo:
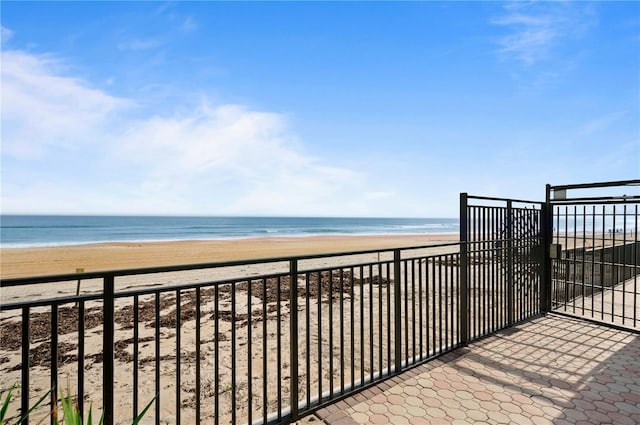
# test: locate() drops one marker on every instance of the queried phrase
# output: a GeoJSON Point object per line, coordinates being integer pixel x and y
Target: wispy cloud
{"type": "Point", "coordinates": [139, 44]}
{"type": "Point", "coordinates": [5, 34]}
{"type": "Point", "coordinates": [246, 159]}
{"type": "Point", "coordinates": [534, 29]}
{"type": "Point", "coordinates": [600, 124]}
{"type": "Point", "coordinates": [169, 9]}
{"type": "Point", "coordinates": [189, 24]}
{"type": "Point", "coordinates": [43, 110]}
{"type": "Point", "coordinates": [69, 147]}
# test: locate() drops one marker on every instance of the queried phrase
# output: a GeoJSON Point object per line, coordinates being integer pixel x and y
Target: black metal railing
{"type": "Point", "coordinates": [596, 257]}
{"type": "Point", "coordinates": [257, 341]}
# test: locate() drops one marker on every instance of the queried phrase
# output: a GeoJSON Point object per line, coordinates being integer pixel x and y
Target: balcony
{"type": "Point", "coordinates": [533, 316]}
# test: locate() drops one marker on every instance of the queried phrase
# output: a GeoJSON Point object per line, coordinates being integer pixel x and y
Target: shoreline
{"type": "Point", "coordinates": [221, 239]}
{"type": "Point", "coordinates": [50, 260]}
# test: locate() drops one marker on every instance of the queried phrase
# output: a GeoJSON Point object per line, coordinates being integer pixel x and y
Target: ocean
{"type": "Point", "coordinates": [52, 230]}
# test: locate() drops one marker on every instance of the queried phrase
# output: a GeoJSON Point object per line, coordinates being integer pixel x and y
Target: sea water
{"type": "Point", "coordinates": [51, 230]}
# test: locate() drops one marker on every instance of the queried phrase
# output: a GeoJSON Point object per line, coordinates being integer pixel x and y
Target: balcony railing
{"type": "Point", "coordinates": [237, 342]}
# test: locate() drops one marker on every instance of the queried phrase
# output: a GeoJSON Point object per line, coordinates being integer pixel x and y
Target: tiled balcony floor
{"type": "Point", "coordinates": [552, 370]}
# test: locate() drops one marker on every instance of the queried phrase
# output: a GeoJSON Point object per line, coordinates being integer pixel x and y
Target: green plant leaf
{"type": "Point", "coordinates": [144, 411]}
{"type": "Point", "coordinates": [70, 412]}
{"type": "Point", "coordinates": [90, 415]}
{"type": "Point", "coordinates": [34, 407]}
{"type": "Point", "coordinates": [5, 403]}
{"type": "Point", "coordinates": [67, 411]}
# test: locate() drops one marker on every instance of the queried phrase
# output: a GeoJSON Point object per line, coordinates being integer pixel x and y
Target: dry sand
{"type": "Point", "coordinates": [372, 293]}
{"type": "Point", "coordinates": [19, 262]}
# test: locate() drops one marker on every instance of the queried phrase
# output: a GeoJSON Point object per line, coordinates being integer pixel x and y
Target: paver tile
{"type": "Point", "coordinates": [397, 409]}
{"type": "Point", "coordinates": [378, 408]}
{"type": "Point", "coordinates": [622, 419]}
{"type": "Point", "coordinates": [432, 402]}
{"type": "Point", "coordinates": [399, 420]}
{"type": "Point", "coordinates": [464, 395]}
{"type": "Point", "coordinates": [575, 415]}
{"type": "Point", "coordinates": [611, 397]}
{"type": "Point", "coordinates": [541, 420]}
{"type": "Point", "coordinates": [425, 382]}
{"type": "Point", "coordinates": [532, 410]}
{"type": "Point", "coordinates": [395, 399]}
{"type": "Point", "coordinates": [519, 419]}
{"type": "Point", "coordinates": [411, 390]}
{"type": "Point", "coordinates": [499, 417]}
{"type": "Point", "coordinates": [428, 393]}
{"type": "Point", "coordinates": [604, 406]}
{"type": "Point", "coordinates": [344, 421]}
{"type": "Point", "coordinates": [451, 403]}
{"type": "Point", "coordinates": [435, 412]}
{"type": "Point", "coordinates": [470, 404]}
{"type": "Point", "coordinates": [378, 419]}
{"type": "Point", "coordinates": [489, 405]}
{"type": "Point", "coordinates": [521, 399]}
{"type": "Point", "coordinates": [444, 385]}
{"type": "Point", "coordinates": [628, 408]}
{"type": "Point", "coordinates": [539, 372]}
{"type": "Point", "coordinates": [396, 389]}
{"type": "Point", "coordinates": [477, 415]}
{"type": "Point", "coordinates": [413, 401]}
{"type": "Point", "coordinates": [510, 407]}
{"type": "Point", "coordinates": [482, 396]}
{"type": "Point", "coordinates": [456, 414]}
{"type": "Point", "coordinates": [416, 411]}
{"type": "Point", "coordinates": [446, 394]}
{"type": "Point", "coordinates": [360, 418]}
{"type": "Point", "coordinates": [361, 407]}
{"type": "Point", "coordinates": [552, 411]}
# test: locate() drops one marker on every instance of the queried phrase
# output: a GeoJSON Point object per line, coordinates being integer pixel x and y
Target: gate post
{"type": "Point", "coordinates": [463, 300]}
{"type": "Point", "coordinates": [510, 277]}
{"type": "Point", "coordinates": [293, 335]}
{"type": "Point", "coordinates": [397, 310]}
{"type": "Point", "coordinates": [108, 349]}
{"type": "Point", "coordinates": [547, 239]}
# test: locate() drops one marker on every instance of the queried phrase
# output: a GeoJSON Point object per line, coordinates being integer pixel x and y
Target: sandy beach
{"type": "Point", "coordinates": [23, 262]}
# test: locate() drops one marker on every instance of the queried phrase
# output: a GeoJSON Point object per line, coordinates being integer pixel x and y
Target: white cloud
{"type": "Point", "coordinates": [247, 159]}
{"type": "Point", "coordinates": [535, 29]}
{"type": "Point", "coordinates": [5, 34]}
{"type": "Point", "coordinates": [42, 109]}
{"type": "Point", "coordinates": [71, 148]}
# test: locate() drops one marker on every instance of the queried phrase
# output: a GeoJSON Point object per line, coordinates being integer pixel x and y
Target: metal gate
{"type": "Point", "coordinates": [502, 262]}
{"type": "Point", "coordinates": [594, 251]}
{"type": "Point", "coordinates": [577, 253]}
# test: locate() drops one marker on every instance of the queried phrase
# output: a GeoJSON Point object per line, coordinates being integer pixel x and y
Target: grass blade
{"type": "Point", "coordinates": [5, 404]}
{"type": "Point", "coordinates": [35, 406]}
{"type": "Point", "coordinates": [144, 412]}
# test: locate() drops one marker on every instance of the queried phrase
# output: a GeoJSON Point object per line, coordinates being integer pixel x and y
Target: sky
{"type": "Point", "coordinates": [383, 109]}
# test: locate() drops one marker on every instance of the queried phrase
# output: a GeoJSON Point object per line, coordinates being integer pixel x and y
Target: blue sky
{"type": "Point", "coordinates": [312, 109]}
